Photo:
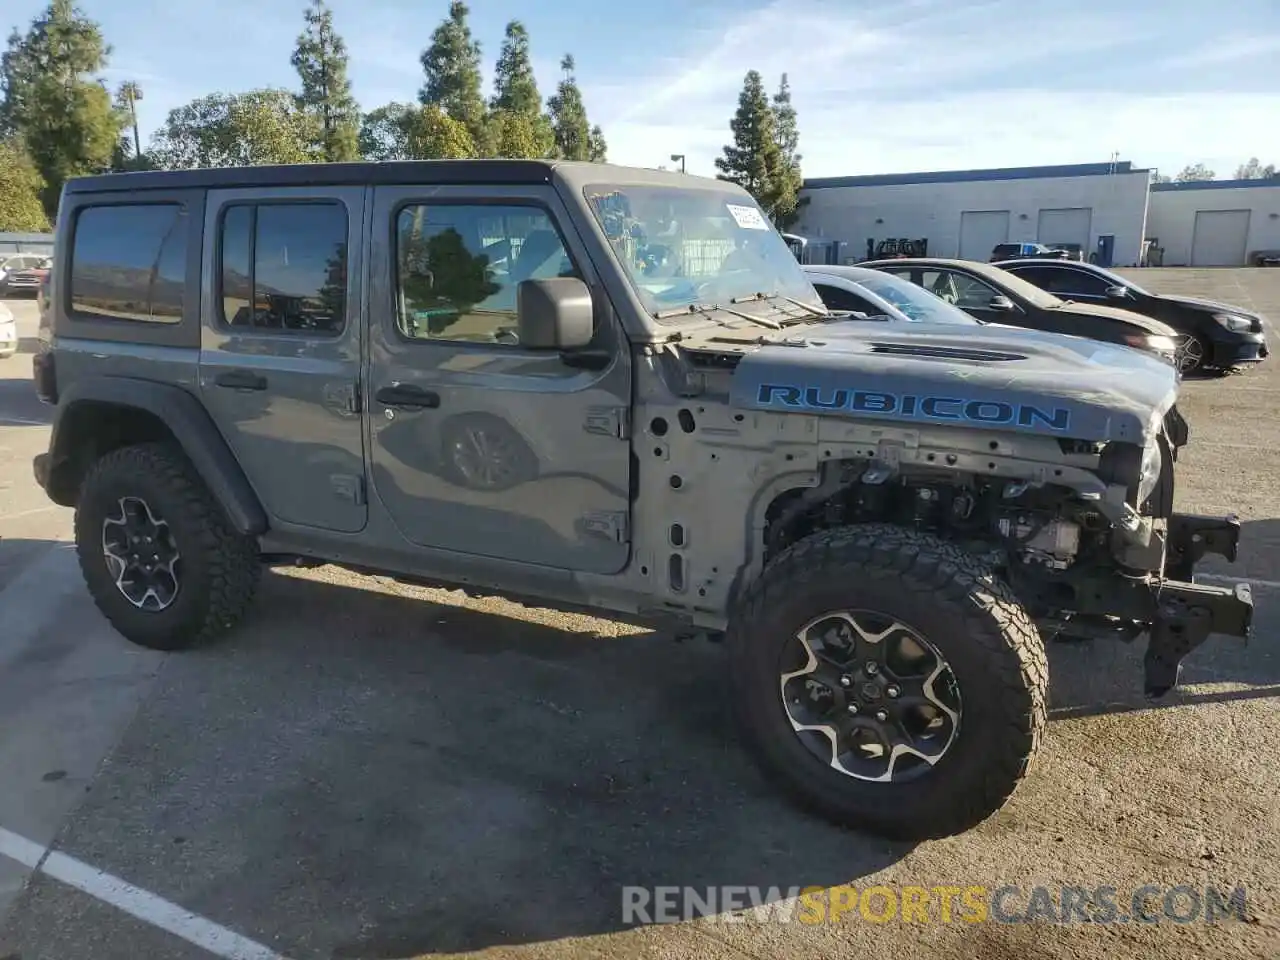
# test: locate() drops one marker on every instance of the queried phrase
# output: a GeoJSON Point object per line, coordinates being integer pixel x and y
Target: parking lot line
{"type": "Point", "coordinates": [23, 422]}
{"type": "Point", "coordinates": [136, 902]}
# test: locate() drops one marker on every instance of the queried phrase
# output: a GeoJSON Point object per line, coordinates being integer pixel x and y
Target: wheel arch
{"type": "Point", "coordinates": [99, 414]}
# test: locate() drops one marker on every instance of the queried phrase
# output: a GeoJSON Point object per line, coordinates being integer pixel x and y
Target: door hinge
{"type": "Point", "coordinates": [343, 397]}
{"type": "Point", "coordinates": [607, 524]}
{"type": "Point", "coordinates": [609, 422]}
{"type": "Point", "coordinates": [348, 487]}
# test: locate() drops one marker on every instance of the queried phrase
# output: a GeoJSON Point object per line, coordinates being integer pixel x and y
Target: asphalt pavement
{"type": "Point", "coordinates": [369, 770]}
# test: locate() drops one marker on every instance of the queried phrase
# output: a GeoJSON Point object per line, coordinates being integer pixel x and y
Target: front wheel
{"type": "Point", "coordinates": [888, 680]}
{"type": "Point", "coordinates": [1192, 355]}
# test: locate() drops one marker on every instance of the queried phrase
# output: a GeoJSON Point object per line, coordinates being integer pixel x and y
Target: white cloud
{"type": "Point", "coordinates": [933, 84]}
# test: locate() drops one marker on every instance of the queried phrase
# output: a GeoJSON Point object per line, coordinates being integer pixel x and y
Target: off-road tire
{"type": "Point", "coordinates": [220, 567]}
{"type": "Point", "coordinates": [953, 600]}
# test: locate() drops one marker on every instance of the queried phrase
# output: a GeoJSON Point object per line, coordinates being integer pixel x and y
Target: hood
{"type": "Point", "coordinates": [1210, 306]}
{"type": "Point", "coordinates": [988, 377]}
{"type": "Point", "coordinates": [1149, 324]}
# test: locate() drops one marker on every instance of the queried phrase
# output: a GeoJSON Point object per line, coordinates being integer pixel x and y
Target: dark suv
{"type": "Point", "coordinates": [1014, 251]}
{"type": "Point", "coordinates": [594, 387]}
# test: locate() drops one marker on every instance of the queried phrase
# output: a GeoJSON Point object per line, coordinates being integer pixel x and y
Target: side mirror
{"type": "Point", "coordinates": [1118, 293]}
{"type": "Point", "coordinates": [554, 314]}
{"type": "Point", "coordinates": [1000, 302]}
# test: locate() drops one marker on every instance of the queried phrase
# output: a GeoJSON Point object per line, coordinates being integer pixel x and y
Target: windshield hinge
{"type": "Point", "coordinates": [608, 525]}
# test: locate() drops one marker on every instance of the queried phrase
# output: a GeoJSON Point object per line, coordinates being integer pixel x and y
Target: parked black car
{"type": "Point", "coordinates": [995, 295]}
{"type": "Point", "coordinates": [1220, 336]}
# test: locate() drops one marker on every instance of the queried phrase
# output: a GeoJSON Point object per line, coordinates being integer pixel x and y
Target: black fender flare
{"type": "Point", "coordinates": [188, 421]}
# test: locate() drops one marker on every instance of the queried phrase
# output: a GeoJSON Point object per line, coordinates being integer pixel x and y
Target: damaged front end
{"type": "Point", "coordinates": [1157, 551]}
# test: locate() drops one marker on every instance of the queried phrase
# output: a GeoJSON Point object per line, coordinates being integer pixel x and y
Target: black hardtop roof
{"type": "Point", "coordinates": [380, 173]}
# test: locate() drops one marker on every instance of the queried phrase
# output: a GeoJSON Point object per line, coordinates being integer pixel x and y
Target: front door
{"type": "Point", "coordinates": [481, 445]}
{"type": "Point", "coordinates": [280, 347]}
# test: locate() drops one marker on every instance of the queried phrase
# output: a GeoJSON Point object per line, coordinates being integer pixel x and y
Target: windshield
{"type": "Point", "coordinates": [916, 302]}
{"type": "Point", "coordinates": [692, 245]}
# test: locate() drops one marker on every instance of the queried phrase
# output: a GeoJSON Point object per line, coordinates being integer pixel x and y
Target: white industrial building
{"type": "Point", "coordinates": [1110, 209]}
{"type": "Point", "coordinates": [1215, 223]}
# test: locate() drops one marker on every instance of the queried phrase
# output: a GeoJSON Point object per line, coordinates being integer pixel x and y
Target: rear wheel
{"type": "Point", "coordinates": [888, 680]}
{"type": "Point", "coordinates": [159, 558]}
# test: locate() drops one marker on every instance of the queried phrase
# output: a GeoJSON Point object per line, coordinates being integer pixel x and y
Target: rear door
{"type": "Point", "coordinates": [280, 347]}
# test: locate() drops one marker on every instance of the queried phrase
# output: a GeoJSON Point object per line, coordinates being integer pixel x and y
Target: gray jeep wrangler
{"type": "Point", "coordinates": [591, 387]}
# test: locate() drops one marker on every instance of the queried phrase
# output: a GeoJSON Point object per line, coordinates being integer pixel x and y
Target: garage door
{"type": "Point", "coordinates": [980, 231]}
{"type": "Point", "coordinates": [1219, 239]}
{"type": "Point", "coordinates": [1068, 225]}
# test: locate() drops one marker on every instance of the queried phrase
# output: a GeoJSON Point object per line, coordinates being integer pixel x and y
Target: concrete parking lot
{"type": "Point", "coordinates": [369, 770]}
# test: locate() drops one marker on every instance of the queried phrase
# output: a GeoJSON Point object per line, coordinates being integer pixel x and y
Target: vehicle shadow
{"type": "Point", "coordinates": [398, 772]}
{"type": "Point", "coordinates": [19, 405]}
{"type": "Point", "coordinates": [400, 776]}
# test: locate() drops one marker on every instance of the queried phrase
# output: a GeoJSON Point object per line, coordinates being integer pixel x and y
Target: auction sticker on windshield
{"type": "Point", "coordinates": [748, 218]}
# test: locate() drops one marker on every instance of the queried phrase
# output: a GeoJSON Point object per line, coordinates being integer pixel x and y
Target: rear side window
{"type": "Point", "coordinates": [129, 262]}
{"type": "Point", "coordinates": [283, 267]}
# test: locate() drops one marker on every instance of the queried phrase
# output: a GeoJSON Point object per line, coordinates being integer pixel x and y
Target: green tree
{"type": "Point", "coordinates": [434, 135]}
{"type": "Point", "coordinates": [597, 149]}
{"type": "Point", "coordinates": [514, 134]}
{"type": "Point", "coordinates": [789, 179]}
{"type": "Point", "coordinates": [235, 130]}
{"type": "Point", "coordinates": [569, 116]}
{"type": "Point", "coordinates": [64, 117]}
{"type": "Point", "coordinates": [385, 131]}
{"type": "Point", "coordinates": [516, 95]}
{"type": "Point", "coordinates": [754, 159]}
{"type": "Point", "coordinates": [452, 67]}
{"type": "Point", "coordinates": [515, 86]}
{"type": "Point", "coordinates": [320, 58]}
{"type": "Point", "coordinates": [20, 186]}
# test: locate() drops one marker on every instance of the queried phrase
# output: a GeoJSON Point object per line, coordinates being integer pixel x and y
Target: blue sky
{"type": "Point", "coordinates": [880, 86]}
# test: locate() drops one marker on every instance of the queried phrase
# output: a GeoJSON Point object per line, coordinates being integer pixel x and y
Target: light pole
{"type": "Point", "coordinates": [680, 157]}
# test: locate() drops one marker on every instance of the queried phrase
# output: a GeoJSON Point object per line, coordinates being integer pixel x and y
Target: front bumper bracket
{"type": "Point", "coordinates": [1187, 613]}
{"type": "Point", "coordinates": [1192, 536]}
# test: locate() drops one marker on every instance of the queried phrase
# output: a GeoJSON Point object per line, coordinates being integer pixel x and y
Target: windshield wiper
{"type": "Point", "coordinates": [706, 308]}
{"type": "Point", "coordinates": [756, 297]}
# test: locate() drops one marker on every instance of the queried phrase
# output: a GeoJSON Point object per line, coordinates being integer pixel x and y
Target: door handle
{"type": "Point", "coordinates": [407, 396]}
{"type": "Point", "coordinates": [241, 380]}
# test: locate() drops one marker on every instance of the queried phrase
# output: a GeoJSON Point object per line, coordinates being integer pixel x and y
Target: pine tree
{"type": "Point", "coordinates": [597, 149]}
{"type": "Point", "coordinates": [786, 133]}
{"type": "Point", "coordinates": [515, 86]}
{"type": "Point", "coordinates": [518, 127]}
{"type": "Point", "coordinates": [569, 117]}
{"type": "Point", "coordinates": [754, 158]}
{"type": "Point", "coordinates": [65, 120]}
{"type": "Point", "coordinates": [320, 58]}
{"type": "Point", "coordinates": [452, 67]}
